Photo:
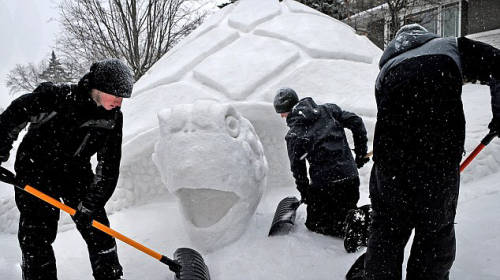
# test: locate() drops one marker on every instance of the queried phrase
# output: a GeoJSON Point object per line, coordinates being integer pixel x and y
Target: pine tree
{"type": "Point", "coordinates": [55, 71]}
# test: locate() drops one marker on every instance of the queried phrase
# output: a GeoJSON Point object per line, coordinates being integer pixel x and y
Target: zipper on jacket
{"type": "Point", "coordinates": [82, 145]}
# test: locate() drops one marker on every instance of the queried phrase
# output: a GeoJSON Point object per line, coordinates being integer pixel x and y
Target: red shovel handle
{"type": "Point", "coordinates": [486, 140]}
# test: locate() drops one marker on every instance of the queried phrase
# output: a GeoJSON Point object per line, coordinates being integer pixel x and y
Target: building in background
{"type": "Point", "coordinates": [476, 19]}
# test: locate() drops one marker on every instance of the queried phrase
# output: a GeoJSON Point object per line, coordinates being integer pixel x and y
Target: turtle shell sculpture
{"type": "Point", "coordinates": [241, 55]}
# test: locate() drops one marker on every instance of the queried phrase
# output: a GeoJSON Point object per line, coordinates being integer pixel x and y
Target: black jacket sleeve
{"type": "Point", "coordinates": [27, 108]}
{"type": "Point", "coordinates": [297, 151]}
{"type": "Point", "coordinates": [481, 62]}
{"type": "Point", "coordinates": [108, 168]}
{"type": "Point", "coordinates": [354, 123]}
{"type": "Point", "coordinates": [495, 98]}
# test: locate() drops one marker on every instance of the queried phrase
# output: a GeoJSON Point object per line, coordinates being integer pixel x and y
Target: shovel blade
{"type": "Point", "coordinates": [284, 217]}
{"type": "Point", "coordinates": [192, 265]}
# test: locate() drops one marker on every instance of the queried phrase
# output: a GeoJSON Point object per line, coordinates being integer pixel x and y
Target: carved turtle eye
{"type": "Point", "coordinates": [232, 126]}
{"type": "Point", "coordinates": [163, 118]}
{"type": "Point", "coordinates": [172, 120]}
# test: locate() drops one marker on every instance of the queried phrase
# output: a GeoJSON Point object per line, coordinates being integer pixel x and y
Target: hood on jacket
{"type": "Point", "coordinates": [409, 37]}
{"type": "Point", "coordinates": [305, 111]}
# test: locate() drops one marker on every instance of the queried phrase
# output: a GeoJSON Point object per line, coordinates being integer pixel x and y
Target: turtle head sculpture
{"type": "Point", "coordinates": [212, 160]}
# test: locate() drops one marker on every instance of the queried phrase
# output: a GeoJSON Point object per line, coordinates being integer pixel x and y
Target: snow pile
{"type": "Point", "coordinates": [242, 55]}
{"type": "Point", "coordinates": [346, 82]}
{"type": "Point", "coordinates": [301, 254]}
{"type": "Point", "coordinates": [212, 160]}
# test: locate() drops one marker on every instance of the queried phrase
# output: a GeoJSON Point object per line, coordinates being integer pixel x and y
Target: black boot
{"type": "Point", "coordinates": [113, 272]}
{"type": "Point", "coordinates": [34, 270]}
{"type": "Point", "coordinates": [356, 231]}
{"type": "Point", "coordinates": [106, 266]}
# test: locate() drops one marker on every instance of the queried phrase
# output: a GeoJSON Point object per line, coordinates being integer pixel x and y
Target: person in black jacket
{"type": "Point", "coordinates": [418, 145]}
{"type": "Point", "coordinates": [68, 125]}
{"type": "Point", "coordinates": [317, 135]}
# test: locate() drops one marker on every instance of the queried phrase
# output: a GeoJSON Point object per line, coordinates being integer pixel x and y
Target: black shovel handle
{"type": "Point", "coordinates": [8, 177]}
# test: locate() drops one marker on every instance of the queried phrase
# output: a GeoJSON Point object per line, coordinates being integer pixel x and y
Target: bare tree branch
{"type": "Point", "coordinates": [137, 31]}
{"type": "Point", "coordinates": [24, 78]}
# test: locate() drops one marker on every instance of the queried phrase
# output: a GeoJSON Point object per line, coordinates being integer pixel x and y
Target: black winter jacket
{"type": "Point", "coordinates": [317, 134]}
{"type": "Point", "coordinates": [418, 92]}
{"type": "Point", "coordinates": [66, 130]}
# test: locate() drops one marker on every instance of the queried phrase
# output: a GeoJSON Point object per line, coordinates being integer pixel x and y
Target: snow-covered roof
{"type": "Point", "coordinates": [375, 12]}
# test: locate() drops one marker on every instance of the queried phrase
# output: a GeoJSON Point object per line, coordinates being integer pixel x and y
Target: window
{"type": "Point", "coordinates": [441, 19]}
{"type": "Point", "coordinates": [427, 19]}
{"type": "Point", "coordinates": [449, 20]}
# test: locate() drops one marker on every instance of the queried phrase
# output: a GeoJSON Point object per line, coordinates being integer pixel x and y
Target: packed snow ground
{"type": "Point", "coordinates": [301, 254]}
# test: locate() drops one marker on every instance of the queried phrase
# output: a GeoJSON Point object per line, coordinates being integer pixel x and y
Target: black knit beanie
{"type": "Point", "coordinates": [111, 76]}
{"type": "Point", "coordinates": [284, 100]}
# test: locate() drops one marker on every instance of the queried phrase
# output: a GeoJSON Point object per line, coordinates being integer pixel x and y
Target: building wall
{"type": "Point", "coordinates": [482, 15]}
{"type": "Point", "coordinates": [477, 16]}
{"type": "Point", "coordinates": [464, 26]}
{"type": "Point", "coordinates": [376, 33]}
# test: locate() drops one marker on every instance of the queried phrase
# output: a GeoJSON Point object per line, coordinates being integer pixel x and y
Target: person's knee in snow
{"type": "Point", "coordinates": [330, 184]}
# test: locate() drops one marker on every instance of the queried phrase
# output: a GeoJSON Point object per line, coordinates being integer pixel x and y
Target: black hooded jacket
{"type": "Point", "coordinates": [66, 129]}
{"type": "Point", "coordinates": [317, 134]}
{"type": "Point", "coordinates": [418, 91]}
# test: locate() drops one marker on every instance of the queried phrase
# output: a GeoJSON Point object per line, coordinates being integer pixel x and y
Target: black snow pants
{"type": "Point", "coordinates": [420, 197]}
{"type": "Point", "coordinates": [328, 204]}
{"type": "Point", "coordinates": [38, 229]}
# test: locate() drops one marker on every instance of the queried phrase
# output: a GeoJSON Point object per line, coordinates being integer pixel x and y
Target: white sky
{"type": "Point", "coordinates": [29, 27]}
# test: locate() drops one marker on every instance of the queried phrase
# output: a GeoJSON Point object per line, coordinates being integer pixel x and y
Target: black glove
{"type": "Point", "coordinates": [83, 216]}
{"type": "Point", "coordinates": [4, 155]}
{"type": "Point", "coordinates": [494, 126]}
{"type": "Point", "coordinates": [361, 160]}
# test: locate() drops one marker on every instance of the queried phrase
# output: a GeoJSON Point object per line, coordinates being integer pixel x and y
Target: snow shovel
{"type": "Point", "coordinates": [284, 217]}
{"type": "Point", "coordinates": [188, 263]}
{"type": "Point", "coordinates": [356, 271]}
{"type": "Point", "coordinates": [486, 140]}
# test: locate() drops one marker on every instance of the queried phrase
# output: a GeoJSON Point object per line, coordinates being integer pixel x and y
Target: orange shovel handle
{"type": "Point", "coordinates": [96, 224]}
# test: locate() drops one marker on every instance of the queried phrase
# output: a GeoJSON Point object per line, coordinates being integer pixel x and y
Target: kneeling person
{"type": "Point", "coordinates": [317, 135]}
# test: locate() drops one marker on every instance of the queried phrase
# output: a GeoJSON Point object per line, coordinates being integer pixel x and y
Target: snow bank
{"type": "Point", "coordinates": [346, 82]}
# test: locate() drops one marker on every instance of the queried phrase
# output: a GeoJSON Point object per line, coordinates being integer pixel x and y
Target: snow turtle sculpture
{"type": "Point", "coordinates": [241, 55]}
{"type": "Point", "coordinates": [210, 157]}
